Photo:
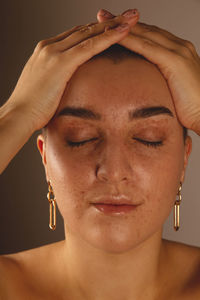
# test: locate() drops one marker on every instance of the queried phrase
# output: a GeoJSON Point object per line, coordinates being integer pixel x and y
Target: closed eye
{"type": "Point", "coordinates": [147, 143]}
{"type": "Point", "coordinates": [150, 144]}
{"type": "Point", "coordinates": [81, 143]}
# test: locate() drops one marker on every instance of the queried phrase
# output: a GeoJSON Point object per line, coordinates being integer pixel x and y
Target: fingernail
{"type": "Point", "coordinates": [105, 13]}
{"type": "Point", "coordinates": [122, 27]}
{"type": "Point", "coordinates": [131, 13]}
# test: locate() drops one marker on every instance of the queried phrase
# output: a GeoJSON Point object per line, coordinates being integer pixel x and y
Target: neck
{"type": "Point", "coordinates": [95, 274]}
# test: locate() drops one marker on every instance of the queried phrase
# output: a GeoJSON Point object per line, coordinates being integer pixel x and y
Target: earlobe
{"type": "Point", "coordinates": [188, 147]}
{"type": "Point", "coordinates": [41, 148]}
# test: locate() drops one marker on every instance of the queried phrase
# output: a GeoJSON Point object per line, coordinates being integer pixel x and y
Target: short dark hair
{"type": "Point", "coordinates": [117, 53]}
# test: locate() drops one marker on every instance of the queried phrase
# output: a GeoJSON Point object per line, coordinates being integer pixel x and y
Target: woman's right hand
{"type": "Point", "coordinates": [44, 77]}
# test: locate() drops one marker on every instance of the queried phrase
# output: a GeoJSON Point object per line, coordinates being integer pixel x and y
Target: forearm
{"type": "Point", "coordinates": [15, 130]}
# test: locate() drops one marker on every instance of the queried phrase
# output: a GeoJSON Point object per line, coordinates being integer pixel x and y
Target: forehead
{"type": "Point", "coordinates": [109, 88]}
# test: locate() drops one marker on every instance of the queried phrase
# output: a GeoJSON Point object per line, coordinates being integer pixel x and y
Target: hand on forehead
{"type": "Point", "coordinates": [104, 85]}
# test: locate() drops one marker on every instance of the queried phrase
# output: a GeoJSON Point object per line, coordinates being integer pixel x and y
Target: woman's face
{"type": "Point", "coordinates": [115, 161]}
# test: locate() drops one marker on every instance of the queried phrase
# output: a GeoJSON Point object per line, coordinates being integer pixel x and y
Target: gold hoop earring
{"type": "Point", "coordinates": [52, 207]}
{"type": "Point", "coordinates": [177, 209]}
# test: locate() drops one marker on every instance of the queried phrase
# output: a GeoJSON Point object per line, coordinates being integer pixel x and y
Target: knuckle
{"type": "Point", "coordinates": [177, 59]}
{"type": "Point", "coordinates": [86, 45]}
{"type": "Point", "coordinates": [147, 28]}
{"type": "Point", "coordinates": [154, 28]}
{"type": "Point", "coordinates": [90, 24]}
{"type": "Point", "coordinates": [72, 30]}
{"type": "Point", "coordinates": [190, 45]}
{"type": "Point", "coordinates": [115, 21]}
{"type": "Point", "coordinates": [185, 51]}
{"type": "Point", "coordinates": [86, 30]}
{"type": "Point", "coordinates": [76, 27]}
{"type": "Point", "coordinates": [147, 44]}
{"type": "Point", "coordinates": [108, 34]}
{"type": "Point", "coordinates": [41, 44]}
{"type": "Point", "coordinates": [48, 50]}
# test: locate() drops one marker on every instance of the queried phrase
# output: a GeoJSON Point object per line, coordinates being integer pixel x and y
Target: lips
{"type": "Point", "coordinates": [109, 209]}
{"type": "Point", "coordinates": [113, 203]}
{"type": "Point", "coordinates": [115, 200]}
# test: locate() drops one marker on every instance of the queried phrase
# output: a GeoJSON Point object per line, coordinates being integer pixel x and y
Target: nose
{"type": "Point", "coordinates": [114, 165]}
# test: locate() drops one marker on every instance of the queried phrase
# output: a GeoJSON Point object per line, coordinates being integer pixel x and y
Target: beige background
{"type": "Point", "coordinates": [24, 206]}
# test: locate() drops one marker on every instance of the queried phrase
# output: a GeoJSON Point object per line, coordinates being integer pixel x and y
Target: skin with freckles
{"type": "Point", "coordinates": [111, 257]}
{"type": "Point", "coordinates": [116, 162]}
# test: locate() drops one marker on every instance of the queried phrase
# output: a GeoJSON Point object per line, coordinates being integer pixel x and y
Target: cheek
{"type": "Point", "coordinates": [70, 176]}
{"type": "Point", "coordinates": [157, 184]}
{"type": "Point", "coordinates": [160, 177]}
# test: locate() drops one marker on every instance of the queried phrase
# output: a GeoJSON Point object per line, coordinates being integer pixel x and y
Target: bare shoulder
{"type": "Point", "coordinates": [184, 268]}
{"type": "Point", "coordinates": [182, 249]}
{"type": "Point", "coordinates": [19, 272]}
{"type": "Point", "coordinates": [28, 258]}
{"type": "Point", "coordinates": [183, 253]}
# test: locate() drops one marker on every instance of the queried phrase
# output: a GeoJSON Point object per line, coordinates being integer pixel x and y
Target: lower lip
{"type": "Point", "coordinates": [115, 209]}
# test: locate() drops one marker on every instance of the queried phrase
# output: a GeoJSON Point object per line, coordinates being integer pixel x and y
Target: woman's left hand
{"type": "Point", "coordinates": [177, 60]}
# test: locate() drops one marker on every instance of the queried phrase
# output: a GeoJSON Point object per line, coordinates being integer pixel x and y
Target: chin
{"type": "Point", "coordinates": [116, 241]}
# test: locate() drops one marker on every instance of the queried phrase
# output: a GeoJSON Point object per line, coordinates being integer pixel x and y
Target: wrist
{"type": "Point", "coordinates": [16, 114]}
{"type": "Point", "coordinates": [15, 131]}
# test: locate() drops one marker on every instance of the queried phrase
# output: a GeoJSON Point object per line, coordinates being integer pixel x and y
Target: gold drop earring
{"type": "Point", "coordinates": [177, 209]}
{"type": "Point", "coordinates": [52, 207]}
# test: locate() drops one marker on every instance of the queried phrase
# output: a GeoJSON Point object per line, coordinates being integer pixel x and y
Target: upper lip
{"type": "Point", "coordinates": [115, 200]}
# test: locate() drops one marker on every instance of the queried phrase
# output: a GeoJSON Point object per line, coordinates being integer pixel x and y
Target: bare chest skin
{"type": "Point", "coordinates": [30, 277]}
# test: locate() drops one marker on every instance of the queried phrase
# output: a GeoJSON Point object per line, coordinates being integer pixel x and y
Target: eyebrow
{"type": "Point", "coordinates": [137, 113]}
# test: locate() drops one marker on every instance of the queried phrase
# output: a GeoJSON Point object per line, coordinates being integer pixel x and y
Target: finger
{"type": "Point", "coordinates": [88, 31]}
{"type": "Point", "coordinates": [141, 28]}
{"type": "Point", "coordinates": [164, 38]}
{"type": "Point", "coordinates": [159, 39]}
{"type": "Point", "coordinates": [152, 51]}
{"type": "Point", "coordinates": [80, 53]}
{"type": "Point", "coordinates": [101, 19]}
{"type": "Point", "coordinates": [156, 34]}
{"type": "Point", "coordinates": [64, 34]}
{"type": "Point", "coordinates": [105, 14]}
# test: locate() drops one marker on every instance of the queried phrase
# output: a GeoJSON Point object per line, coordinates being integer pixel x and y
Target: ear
{"type": "Point", "coordinates": [42, 149]}
{"type": "Point", "coordinates": [188, 150]}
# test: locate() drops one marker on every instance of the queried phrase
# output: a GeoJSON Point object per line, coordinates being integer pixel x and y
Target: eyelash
{"type": "Point", "coordinates": [147, 143]}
